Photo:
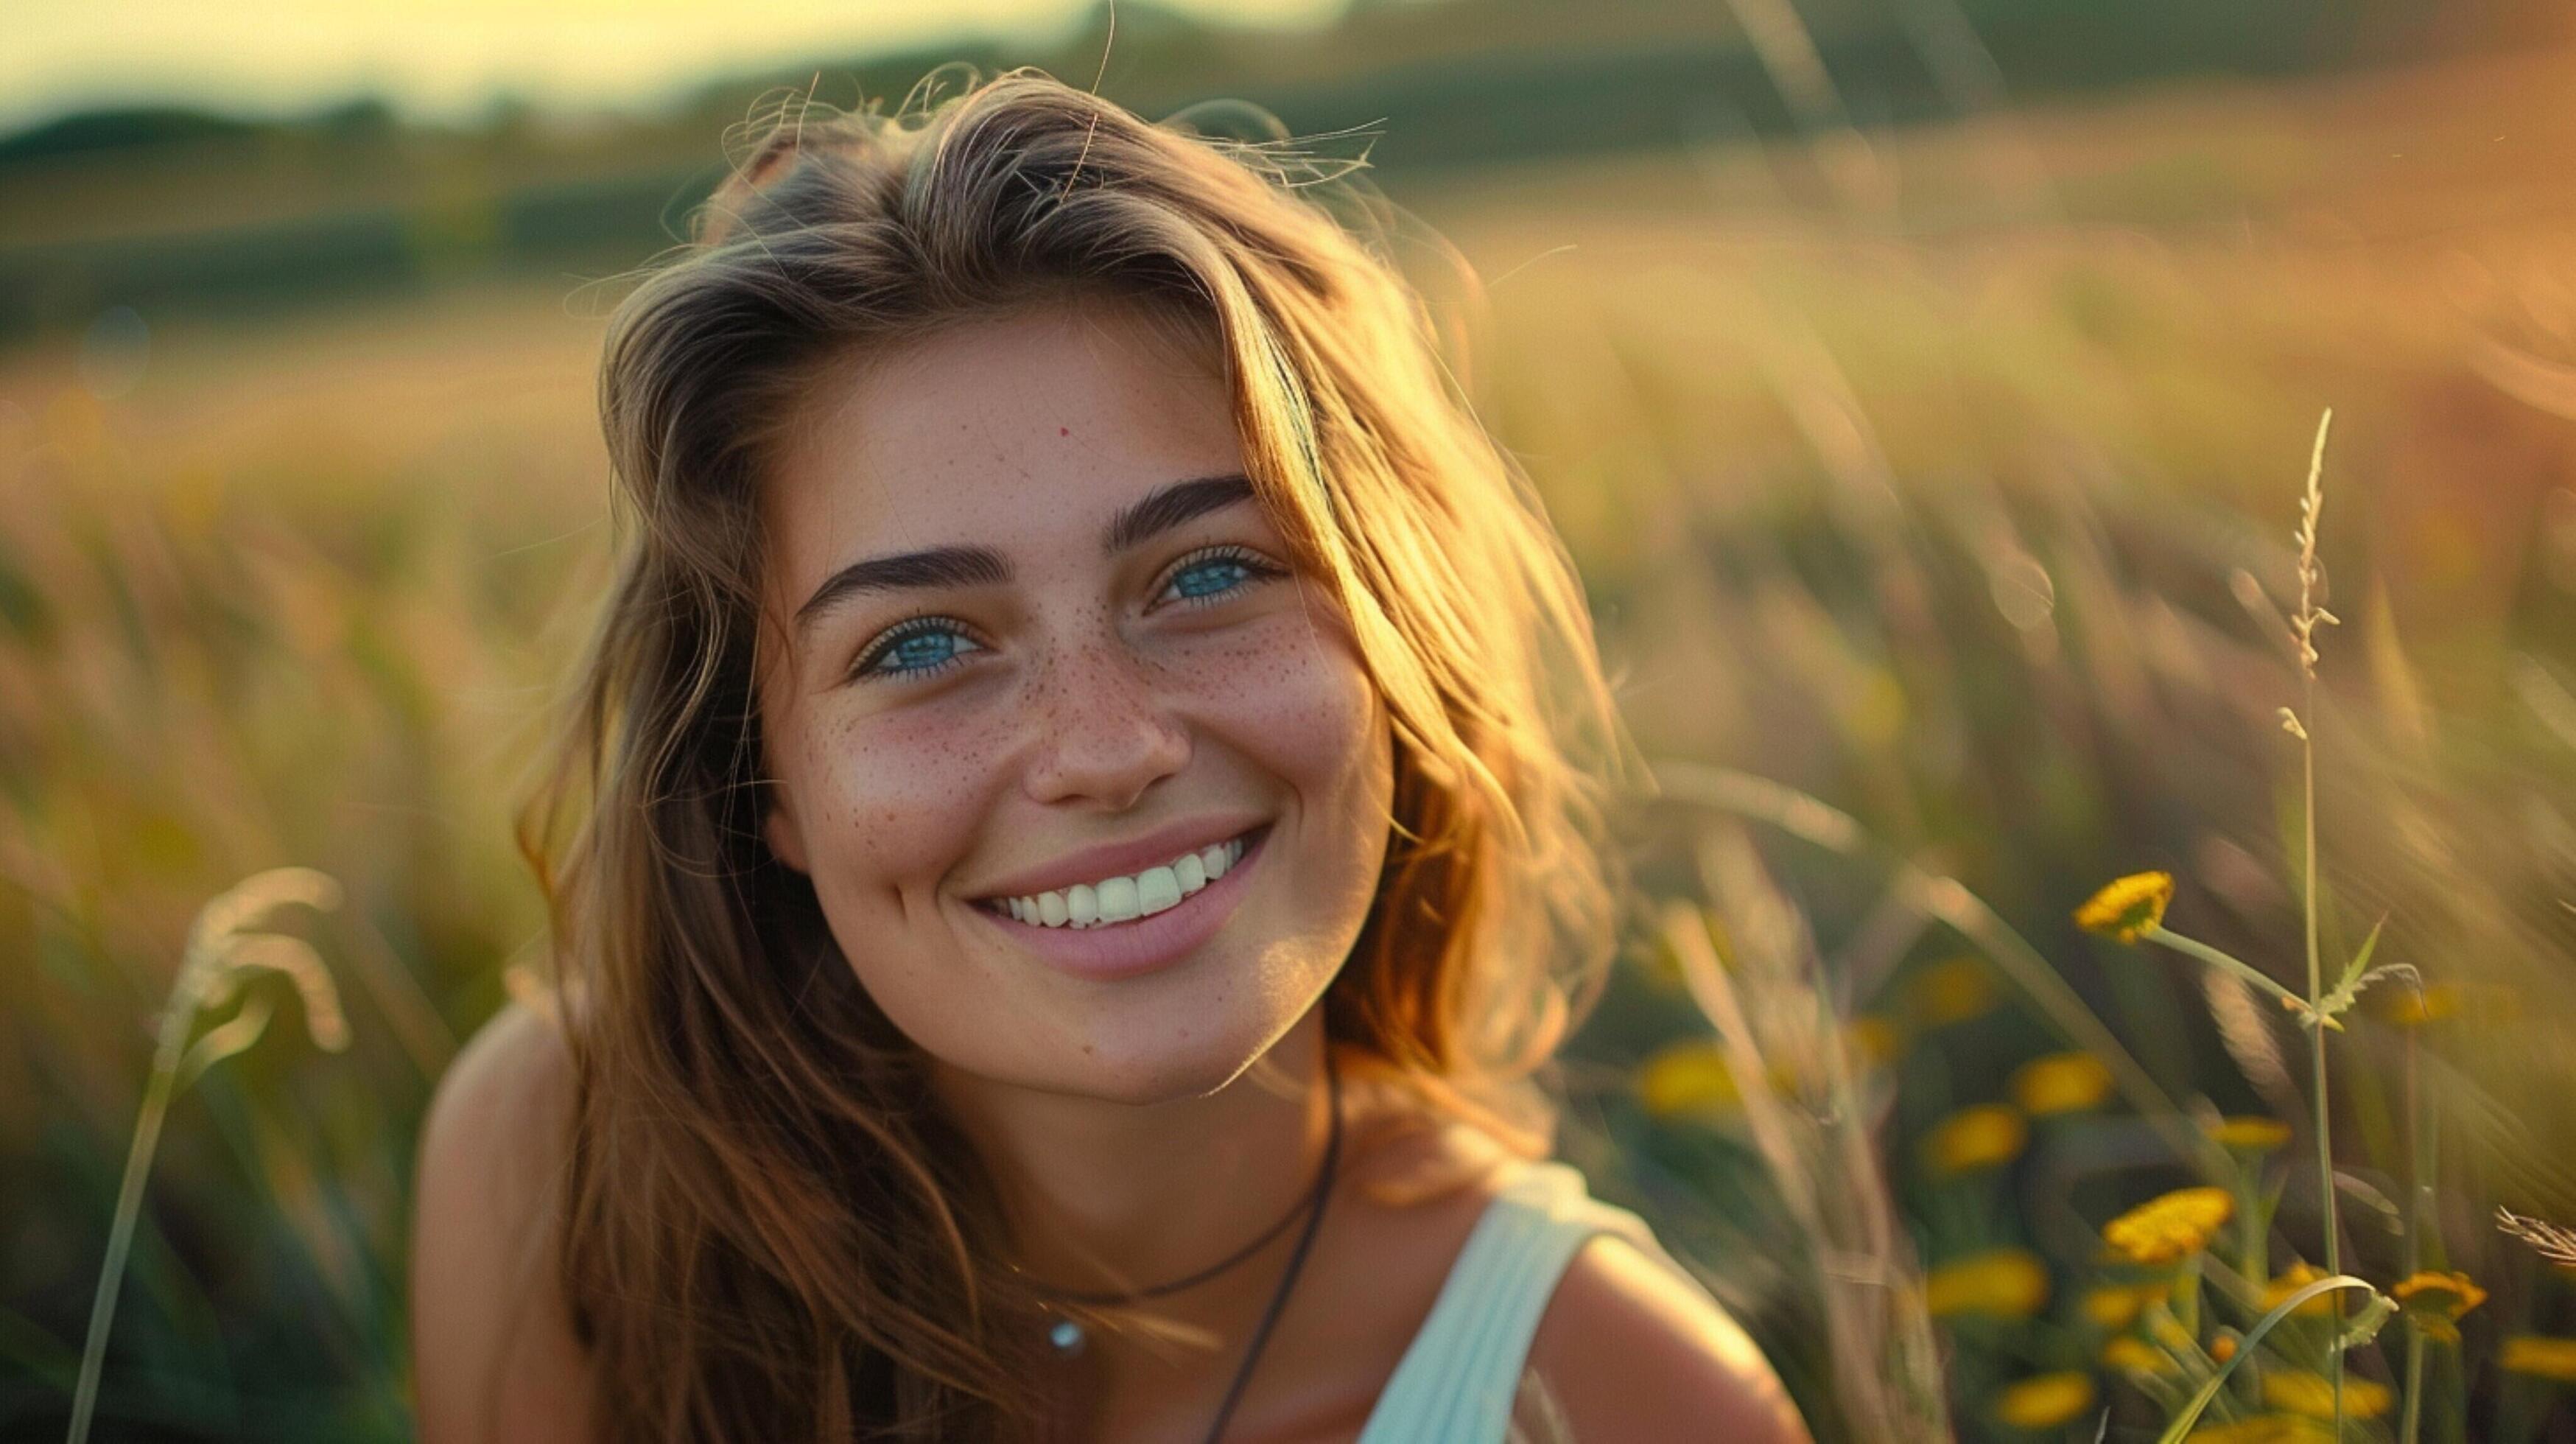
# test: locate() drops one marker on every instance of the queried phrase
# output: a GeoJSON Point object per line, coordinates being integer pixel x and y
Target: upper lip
{"type": "Point", "coordinates": [1117, 859]}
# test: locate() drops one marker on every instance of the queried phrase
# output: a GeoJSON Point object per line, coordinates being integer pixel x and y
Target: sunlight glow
{"type": "Point", "coordinates": [451, 59]}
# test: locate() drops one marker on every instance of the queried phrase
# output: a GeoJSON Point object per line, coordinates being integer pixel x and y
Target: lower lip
{"type": "Point", "coordinates": [1139, 945]}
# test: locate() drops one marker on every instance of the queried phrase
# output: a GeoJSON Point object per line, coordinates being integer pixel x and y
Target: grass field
{"type": "Point", "coordinates": [1946, 479]}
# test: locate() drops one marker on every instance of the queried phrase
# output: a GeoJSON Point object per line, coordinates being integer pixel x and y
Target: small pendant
{"type": "Point", "coordinates": [1067, 1338]}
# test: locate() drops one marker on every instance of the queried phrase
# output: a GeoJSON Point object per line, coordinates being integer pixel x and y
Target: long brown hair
{"type": "Point", "coordinates": [771, 1232]}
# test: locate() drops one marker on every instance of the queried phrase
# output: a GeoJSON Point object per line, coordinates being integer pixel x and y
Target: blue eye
{"type": "Point", "coordinates": [916, 649]}
{"type": "Point", "coordinates": [920, 647]}
{"type": "Point", "coordinates": [1217, 573]}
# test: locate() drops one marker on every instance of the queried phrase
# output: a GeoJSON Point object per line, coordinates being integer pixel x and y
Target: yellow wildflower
{"type": "Point", "coordinates": [2127, 908]}
{"type": "Point", "coordinates": [2116, 1306]}
{"type": "Point", "coordinates": [2132, 1355]}
{"type": "Point", "coordinates": [2250, 1134]}
{"type": "Point", "coordinates": [1982, 1136]}
{"type": "Point", "coordinates": [2262, 1429]}
{"type": "Point", "coordinates": [1689, 1080]}
{"type": "Point", "coordinates": [2006, 1283]}
{"type": "Point", "coordinates": [2061, 1083]}
{"type": "Point", "coordinates": [2454, 1293]}
{"type": "Point", "coordinates": [2175, 1226]}
{"type": "Point", "coordinates": [2301, 1392]}
{"type": "Point", "coordinates": [2539, 1355]}
{"type": "Point", "coordinates": [1952, 991]}
{"type": "Point", "coordinates": [2223, 1348]}
{"type": "Point", "coordinates": [2434, 1299]}
{"type": "Point", "coordinates": [2045, 1401]}
{"type": "Point", "coordinates": [2292, 1279]}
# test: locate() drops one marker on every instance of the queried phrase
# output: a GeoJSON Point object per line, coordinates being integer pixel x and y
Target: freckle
{"type": "Point", "coordinates": [1064, 431]}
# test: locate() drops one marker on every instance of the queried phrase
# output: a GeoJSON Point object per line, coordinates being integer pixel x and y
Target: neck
{"type": "Point", "coordinates": [1106, 1196]}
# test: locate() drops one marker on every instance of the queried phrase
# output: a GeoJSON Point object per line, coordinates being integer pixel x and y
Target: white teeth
{"type": "Point", "coordinates": [1117, 899]}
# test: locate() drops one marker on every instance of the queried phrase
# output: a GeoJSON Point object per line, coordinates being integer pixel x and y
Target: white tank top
{"type": "Point", "coordinates": [1461, 1374]}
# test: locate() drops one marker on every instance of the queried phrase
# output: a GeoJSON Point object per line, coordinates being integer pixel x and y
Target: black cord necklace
{"type": "Point", "coordinates": [1068, 1336]}
{"type": "Point", "coordinates": [1296, 1261]}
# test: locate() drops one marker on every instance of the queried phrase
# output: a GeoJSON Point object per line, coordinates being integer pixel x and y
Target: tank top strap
{"type": "Point", "coordinates": [1458, 1379]}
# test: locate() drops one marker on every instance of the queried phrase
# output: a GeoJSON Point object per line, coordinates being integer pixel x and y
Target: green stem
{"type": "Point", "coordinates": [2254, 1229]}
{"type": "Point", "coordinates": [2417, 1174]}
{"type": "Point", "coordinates": [2317, 1036]}
{"type": "Point", "coordinates": [129, 1205]}
{"type": "Point", "coordinates": [2227, 963]}
{"type": "Point", "coordinates": [2414, 1424]}
{"type": "Point", "coordinates": [2420, 1172]}
{"type": "Point", "coordinates": [2186, 1297]}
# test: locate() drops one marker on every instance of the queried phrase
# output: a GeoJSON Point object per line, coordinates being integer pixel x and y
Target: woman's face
{"type": "Point", "coordinates": [1041, 643]}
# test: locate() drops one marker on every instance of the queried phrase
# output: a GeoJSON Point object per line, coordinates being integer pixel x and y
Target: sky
{"type": "Point", "coordinates": [451, 58]}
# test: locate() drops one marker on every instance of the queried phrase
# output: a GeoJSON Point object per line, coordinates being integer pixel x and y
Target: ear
{"type": "Point", "coordinates": [786, 840]}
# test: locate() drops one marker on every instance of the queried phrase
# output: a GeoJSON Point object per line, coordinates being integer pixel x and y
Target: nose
{"type": "Point", "coordinates": [1106, 734]}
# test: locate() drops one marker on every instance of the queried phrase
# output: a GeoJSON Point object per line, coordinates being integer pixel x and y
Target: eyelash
{"type": "Point", "coordinates": [1255, 569]}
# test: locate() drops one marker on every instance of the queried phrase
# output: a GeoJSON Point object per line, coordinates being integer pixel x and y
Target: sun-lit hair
{"type": "Point", "coordinates": [770, 1231]}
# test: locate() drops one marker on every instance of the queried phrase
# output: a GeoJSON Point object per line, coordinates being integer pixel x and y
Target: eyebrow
{"type": "Point", "coordinates": [1163, 509]}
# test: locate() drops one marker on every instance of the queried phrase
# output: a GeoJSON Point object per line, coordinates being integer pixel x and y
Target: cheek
{"type": "Point", "coordinates": [895, 799]}
{"type": "Point", "coordinates": [1292, 693]}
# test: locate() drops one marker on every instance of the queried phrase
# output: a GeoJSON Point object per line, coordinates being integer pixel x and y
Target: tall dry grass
{"type": "Point", "coordinates": [1932, 499]}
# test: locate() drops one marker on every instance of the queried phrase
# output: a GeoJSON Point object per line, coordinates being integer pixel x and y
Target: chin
{"type": "Point", "coordinates": [1164, 1065]}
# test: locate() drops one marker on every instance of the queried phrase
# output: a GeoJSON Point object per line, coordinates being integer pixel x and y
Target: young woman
{"type": "Point", "coordinates": [1078, 838]}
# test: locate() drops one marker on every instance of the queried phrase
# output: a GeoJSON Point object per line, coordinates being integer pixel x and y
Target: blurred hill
{"type": "Point", "coordinates": [168, 207]}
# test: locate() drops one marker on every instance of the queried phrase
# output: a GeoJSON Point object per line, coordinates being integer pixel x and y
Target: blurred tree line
{"type": "Point", "coordinates": [166, 205]}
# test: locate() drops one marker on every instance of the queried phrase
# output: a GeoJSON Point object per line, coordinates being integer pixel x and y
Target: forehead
{"type": "Point", "coordinates": [989, 427]}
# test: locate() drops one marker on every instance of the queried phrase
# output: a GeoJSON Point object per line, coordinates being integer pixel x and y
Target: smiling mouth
{"type": "Point", "coordinates": [1110, 901]}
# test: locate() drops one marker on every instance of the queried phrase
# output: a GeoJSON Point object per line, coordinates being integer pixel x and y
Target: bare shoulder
{"type": "Point", "coordinates": [494, 1357]}
{"type": "Point", "coordinates": [1629, 1350]}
